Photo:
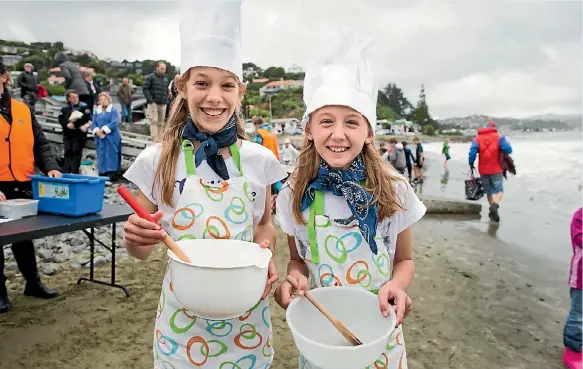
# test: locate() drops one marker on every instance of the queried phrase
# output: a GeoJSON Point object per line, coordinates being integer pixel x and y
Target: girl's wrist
{"type": "Point", "coordinates": [297, 269]}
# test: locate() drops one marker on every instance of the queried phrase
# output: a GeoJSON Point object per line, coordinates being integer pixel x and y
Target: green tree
{"type": "Point", "coordinates": [287, 104]}
{"type": "Point", "coordinates": [420, 114]}
{"type": "Point", "coordinates": [98, 65]}
{"type": "Point", "coordinates": [385, 112]}
{"type": "Point", "coordinates": [393, 97]}
{"type": "Point", "coordinates": [249, 65]}
{"type": "Point", "coordinates": [136, 79]}
{"type": "Point", "coordinates": [54, 90]}
{"type": "Point", "coordinates": [274, 72]}
{"type": "Point", "coordinates": [59, 45]}
{"type": "Point", "coordinates": [259, 112]}
{"type": "Point", "coordinates": [83, 59]}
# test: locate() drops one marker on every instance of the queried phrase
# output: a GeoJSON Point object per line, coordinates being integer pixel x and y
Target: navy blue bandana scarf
{"type": "Point", "coordinates": [211, 143]}
{"type": "Point", "coordinates": [347, 183]}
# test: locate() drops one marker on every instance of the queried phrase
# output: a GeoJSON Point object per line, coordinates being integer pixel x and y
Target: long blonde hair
{"type": "Point", "coordinates": [171, 143]}
{"type": "Point", "coordinates": [380, 180]}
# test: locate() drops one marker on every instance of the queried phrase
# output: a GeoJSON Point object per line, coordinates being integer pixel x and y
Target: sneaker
{"type": "Point", "coordinates": [494, 212]}
{"type": "Point", "coordinates": [572, 359]}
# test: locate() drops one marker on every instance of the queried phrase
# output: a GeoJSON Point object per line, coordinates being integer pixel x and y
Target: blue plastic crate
{"type": "Point", "coordinates": [71, 195]}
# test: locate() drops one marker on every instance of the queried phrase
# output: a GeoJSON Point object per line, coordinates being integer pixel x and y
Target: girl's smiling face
{"type": "Point", "coordinates": [212, 94]}
{"type": "Point", "coordinates": [339, 134]}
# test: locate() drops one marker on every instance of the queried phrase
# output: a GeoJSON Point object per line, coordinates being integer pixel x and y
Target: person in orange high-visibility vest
{"type": "Point", "coordinates": [23, 146]}
{"type": "Point", "coordinates": [265, 136]}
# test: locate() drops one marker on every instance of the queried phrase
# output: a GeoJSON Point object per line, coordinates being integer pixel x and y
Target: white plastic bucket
{"type": "Point", "coordinates": [319, 341]}
{"type": "Point", "coordinates": [225, 280]}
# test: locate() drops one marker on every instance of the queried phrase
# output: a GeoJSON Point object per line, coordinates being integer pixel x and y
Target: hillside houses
{"type": "Point", "coordinates": [278, 86]}
{"type": "Point", "coordinates": [135, 66]}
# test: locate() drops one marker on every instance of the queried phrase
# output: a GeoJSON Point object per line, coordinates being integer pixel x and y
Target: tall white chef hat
{"type": "Point", "coordinates": [346, 74]}
{"type": "Point", "coordinates": [210, 35]}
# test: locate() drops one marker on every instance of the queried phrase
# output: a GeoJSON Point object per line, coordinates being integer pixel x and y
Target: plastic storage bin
{"type": "Point", "coordinates": [71, 195]}
{"type": "Point", "coordinates": [18, 208]}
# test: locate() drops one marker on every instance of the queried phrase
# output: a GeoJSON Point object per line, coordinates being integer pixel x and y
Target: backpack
{"type": "Point", "coordinates": [398, 158]}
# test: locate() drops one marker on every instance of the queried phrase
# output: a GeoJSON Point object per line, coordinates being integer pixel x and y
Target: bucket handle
{"type": "Point", "coordinates": [94, 181]}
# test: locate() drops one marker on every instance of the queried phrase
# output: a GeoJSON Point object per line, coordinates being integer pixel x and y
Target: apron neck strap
{"type": "Point", "coordinates": [188, 149]}
{"type": "Point", "coordinates": [317, 208]}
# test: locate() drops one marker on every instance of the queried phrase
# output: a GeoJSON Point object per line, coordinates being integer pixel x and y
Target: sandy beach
{"type": "Point", "coordinates": [474, 307]}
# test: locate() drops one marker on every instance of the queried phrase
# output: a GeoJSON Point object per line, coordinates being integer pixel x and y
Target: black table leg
{"type": "Point", "coordinates": [92, 266]}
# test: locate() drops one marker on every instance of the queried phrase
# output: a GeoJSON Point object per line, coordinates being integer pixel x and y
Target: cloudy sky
{"type": "Point", "coordinates": [501, 58]}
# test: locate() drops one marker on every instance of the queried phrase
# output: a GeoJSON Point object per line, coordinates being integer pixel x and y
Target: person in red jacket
{"type": "Point", "coordinates": [42, 92]}
{"type": "Point", "coordinates": [487, 145]}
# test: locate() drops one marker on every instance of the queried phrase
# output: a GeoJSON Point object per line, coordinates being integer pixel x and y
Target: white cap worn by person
{"type": "Point", "coordinates": [345, 74]}
{"type": "Point", "coordinates": [210, 35]}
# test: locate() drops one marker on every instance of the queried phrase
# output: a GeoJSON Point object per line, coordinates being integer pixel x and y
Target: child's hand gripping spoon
{"type": "Point", "coordinates": [337, 323]}
{"type": "Point", "coordinates": [143, 213]}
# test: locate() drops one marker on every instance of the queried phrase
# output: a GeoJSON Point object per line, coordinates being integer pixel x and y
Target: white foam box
{"type": "Point", "coordinates": [18, 208]}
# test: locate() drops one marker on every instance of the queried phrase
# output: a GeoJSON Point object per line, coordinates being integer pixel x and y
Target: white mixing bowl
{"type": "Point", "coordinates": [225, 280]}
{"type": "Point", "coordinates": [320, 342]}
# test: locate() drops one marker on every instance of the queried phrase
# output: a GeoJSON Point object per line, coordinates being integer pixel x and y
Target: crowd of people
{"type": "Point", "coordinates": [400, 156]}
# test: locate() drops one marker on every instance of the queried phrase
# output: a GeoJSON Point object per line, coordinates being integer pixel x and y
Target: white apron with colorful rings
{"type": "Point", "coordinates": [221, 210]}
{"type": "Point", "coordinates": [338, 255]}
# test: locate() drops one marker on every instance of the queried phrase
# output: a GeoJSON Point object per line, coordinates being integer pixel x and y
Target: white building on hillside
{"type": "Point", "coordinates": [295, 69]}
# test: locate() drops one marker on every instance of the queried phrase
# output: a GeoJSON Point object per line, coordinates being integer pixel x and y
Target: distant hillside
{"type": "Point", "coordinates": [548, 121]}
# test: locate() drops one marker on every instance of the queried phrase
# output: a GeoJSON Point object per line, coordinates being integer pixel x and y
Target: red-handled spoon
{"type": "Point", "coordinates": [143, 213]}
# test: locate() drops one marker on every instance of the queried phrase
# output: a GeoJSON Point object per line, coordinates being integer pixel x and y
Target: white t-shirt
{"type": "Point", "coordinates": [337, 208]}
{"type": "Point", "coordinates": [259, 166]}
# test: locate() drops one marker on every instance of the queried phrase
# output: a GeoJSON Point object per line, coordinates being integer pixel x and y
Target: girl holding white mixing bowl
{"type": "Point", "coordinates": [347, 214]}
{"type": "Point", "coordinates": [203, 167]}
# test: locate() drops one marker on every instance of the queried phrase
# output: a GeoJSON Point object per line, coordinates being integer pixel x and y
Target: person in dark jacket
{"type": "Point", "coordinates": [73, 77]}
{"type": "Point", "coordinates": [410, 160]}
{"type": "Point", "coordinates": [73, 118]}
{"type": "Point", "coordinates": [21, 136]}
{"type": "Point", "coordinates": [156, 93]}
{"type": "Point", "coordinates": [93, 89]}
{"type": "Point", "coordinates": [419, 161]}
{"type": "Point", "coordinates": [125, 94]}
{"type": "Point", "coordinates": [28, 84]}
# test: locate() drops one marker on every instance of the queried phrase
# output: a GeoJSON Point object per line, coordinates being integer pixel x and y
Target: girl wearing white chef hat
{"type": "Point", "coordinates": [205, 170]}
{"type": "Point", "coordinates": [342, 185]}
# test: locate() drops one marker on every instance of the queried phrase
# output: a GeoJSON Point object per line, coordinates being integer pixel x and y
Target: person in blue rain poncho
{"type": "Point", "coordinates": [105, 128]}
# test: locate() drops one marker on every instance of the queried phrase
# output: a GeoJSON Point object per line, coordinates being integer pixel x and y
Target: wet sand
{"type": "Point", "coordinates": [475, 306]}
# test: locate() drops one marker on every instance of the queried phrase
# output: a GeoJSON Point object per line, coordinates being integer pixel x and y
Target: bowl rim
{"type": "Point", "coordinates": [392, 317]}
{"type": "Point", "coordinates": [172, 256]}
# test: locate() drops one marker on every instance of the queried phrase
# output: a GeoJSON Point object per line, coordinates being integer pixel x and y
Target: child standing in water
{"type": "Point", "coordinates": [342, 189]}
{"type": "Point", "coordinates": [204, 169]}
{"type": "Point", "coordinates": [445, 151]}
{"type": "Point", "coordinates": [572, 331]}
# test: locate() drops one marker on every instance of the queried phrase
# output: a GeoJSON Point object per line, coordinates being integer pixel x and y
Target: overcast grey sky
{"type": "Point", "coordinates": [501, 58]}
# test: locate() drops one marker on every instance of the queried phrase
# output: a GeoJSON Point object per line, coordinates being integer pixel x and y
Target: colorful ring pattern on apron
{"type": "Point", "coordinates": [222, 210]}
{"type": "Point", "coordinates": [338, 255]}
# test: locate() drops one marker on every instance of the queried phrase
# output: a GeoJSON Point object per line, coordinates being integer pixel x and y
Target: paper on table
{"type": "Point", "coordinates": [3, 220]}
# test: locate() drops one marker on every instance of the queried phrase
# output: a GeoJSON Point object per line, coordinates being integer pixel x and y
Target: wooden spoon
{"type": "Point", "coordinates": [337, 323]}
{"type": "Point", "coordinates": [143, 213]}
